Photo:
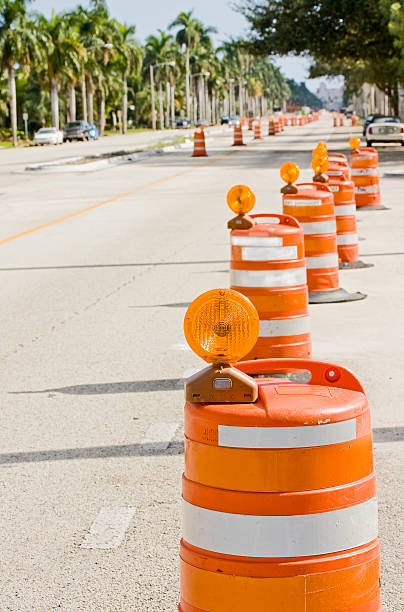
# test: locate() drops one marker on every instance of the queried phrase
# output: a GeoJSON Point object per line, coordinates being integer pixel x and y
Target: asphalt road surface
{"type": "Point", "coordinates": [96, 272]}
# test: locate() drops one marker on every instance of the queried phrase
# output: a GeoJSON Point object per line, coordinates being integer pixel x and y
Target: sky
{"type": "Point", "coordinates": [151, 15]}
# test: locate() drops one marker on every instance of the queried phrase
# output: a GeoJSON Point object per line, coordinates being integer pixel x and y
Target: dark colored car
{"type": "Point", "coordinates": [224, 120]}
{"type": "Point", "coordinates": [369, 119]}
{"type": "Point", "coordinates": [183, 122]}
{"type": "Point", "coordinates": [76, 130]}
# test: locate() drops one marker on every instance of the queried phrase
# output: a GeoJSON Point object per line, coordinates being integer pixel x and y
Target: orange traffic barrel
{"type": "Point", "coordinates": [279, 494]}
{"type": "Point", "coordinates": [268, 267]}
{"type": "Point", "coordinates": [271, 127]}
{"type": "Point", "coordinates": [238, 135]}
{"type": "Point", "coordinates": [313, 207]}
{"type": "Point", "coordinates": [294, 120]}
{"type": "Point", "coordinates": [250, 123]}
{"type": "Point", "coordinates": [278, 126]}
{"type": "Point", "coordinates": [345, 214]}
{"type": "Point", "coordinates": [365, 175]}
{"type": "Point", "coordinates": [338, 168]}
{"type": "Point", "coordinates": [341, 120]}
{"type": "Point", "coordinates": [257, 130]}
{"type": "Point", "coordinates": [199, 144]}
{"type": "Point", "coordinates": [335, 120]}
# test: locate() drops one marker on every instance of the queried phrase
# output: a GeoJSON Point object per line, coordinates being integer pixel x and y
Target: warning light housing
{"type": "Point", "coordinates": [355, 143]}
{"type": "Point", "coordinates": [221, 326]}
{"type": "Point", "coordinates": [289, 173]}
{"type": "Point", "coordinates": [241, 199]}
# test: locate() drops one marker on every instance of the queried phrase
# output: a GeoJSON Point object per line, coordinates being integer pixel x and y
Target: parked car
{"type": "Point", "coordinates": [369, 119]}
{"type": "Point", "coordinates": [224, 119]}
{"type": "Point", "coordinates": [202, 122]}
{"type": "Point", "coordinates": [93, 131]}
{"type": "Point", "coordinates": [385, 129]}
{"type": "Point", "coordinates": [183, 122]}
{"type": "Point", "coordinates": [76, 130]}
{"type": "Point", "coordinates": [48, 136]}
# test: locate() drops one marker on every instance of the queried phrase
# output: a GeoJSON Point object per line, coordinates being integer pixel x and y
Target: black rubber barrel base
{"type": "Point", "coordinates": [378, 207]}
{"type": "Point", "coordinates": [337, 295]}
{"type": "Point", "coordinates": [354, 265]}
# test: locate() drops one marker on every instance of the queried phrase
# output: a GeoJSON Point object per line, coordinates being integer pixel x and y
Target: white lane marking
{"type": "Point", "coordinates": [280, 536]}
{"type": "Point", "coordinates": [287, 437]}
{"type": "Point", "coordinates": [158, 436]}
{"type": "Point", "coordinates": [108, 528]}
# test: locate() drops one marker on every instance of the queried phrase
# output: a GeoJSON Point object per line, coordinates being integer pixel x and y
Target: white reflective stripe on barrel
{"type": "Point", "coordinates": [287, 437]}
{"type": "Point", "coordinates": [319, 227]}
{"type": "Point", "coordinates": [256, 241]}
{"type": "Point", "coordinates": [282, 327]}
{"type": "Point", "coordinates": [347, 239]}
{"type": "Point", "coordinates": [363, 157]}
{"type": "Point", "coordinates": [298, 535]}
{"type": "Point", "coordinates": [266, 220]}
{"type": "Point", "coordinates": [268, 253]}
{"type": "Point", "coordinates": [322, 261]}
{"type": "Point", "coordinates": [334, 172]}
{"type": "Point", "coordinates": [367, 189]}
{"type": "Point", "coordinates": [344, 210]}
{"type": "Point", "coordinates": [364, 171]}
{"type": "Point", "coordinates": [302, 202]}
{"type": "Point", "coordinates": [334, 188]}
{"type": "Point", "coordinates": [268, 278]}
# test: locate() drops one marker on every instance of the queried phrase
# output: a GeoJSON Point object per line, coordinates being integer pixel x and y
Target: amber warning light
{"type": "Point", "coordinates": [289, 173]}
{"type": "Point", "coordinates": [241, 200]}
{"type": "Point", "coordinates": [221, 326]}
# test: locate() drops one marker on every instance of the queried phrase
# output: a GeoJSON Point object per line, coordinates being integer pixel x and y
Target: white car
{"type": "Point", "coordinates": [48, 136]}
{"type": "Point", "coordinates": [385, 129]}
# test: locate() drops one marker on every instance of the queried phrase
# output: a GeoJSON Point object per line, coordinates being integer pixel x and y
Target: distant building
{"type": "Point", "coordinates": [332, 97]}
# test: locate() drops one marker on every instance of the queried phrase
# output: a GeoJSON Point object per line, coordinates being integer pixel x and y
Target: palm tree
{"type": "Point", "coordinates": [18, 48]}
{"type": "Point", "coordinates": [160, 51]}
{"type": "Point", "coordinates": [189, 36]}
{"type": "Point", "coordinates": [129, 62]}
{"type": "Point", "coordinates": [63, 56]}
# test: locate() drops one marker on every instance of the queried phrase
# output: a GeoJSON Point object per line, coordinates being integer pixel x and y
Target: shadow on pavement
{"type": "Point", "coordinates": [137, 386]}
{"type": "Point", "coordinates": [381, 434]}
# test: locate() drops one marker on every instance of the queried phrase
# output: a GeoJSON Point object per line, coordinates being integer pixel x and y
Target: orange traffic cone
{"type": "Point", "coordinates": [238, 136]}
{"type": "Point", "coordinates": [199, 144]}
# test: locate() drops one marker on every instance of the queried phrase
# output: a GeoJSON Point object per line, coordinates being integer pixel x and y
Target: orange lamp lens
{"type": "Point", "coordinates": [241, 199]}
{"type": "Point", "coordinates": [355, 143]}
{"type": "Point", "coordinates": [290, 172]}
{"type": "Point", "coordinates": [221, 326]}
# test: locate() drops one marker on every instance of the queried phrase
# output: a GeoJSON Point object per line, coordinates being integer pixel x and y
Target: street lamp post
{"type": "Point", "coordinates": [153, 97]}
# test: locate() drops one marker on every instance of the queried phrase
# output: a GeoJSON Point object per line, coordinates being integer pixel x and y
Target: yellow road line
{"type": "Point", "coordinates": [114, 199]}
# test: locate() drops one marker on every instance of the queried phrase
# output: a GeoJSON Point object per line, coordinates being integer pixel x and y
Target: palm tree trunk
{"type": "Point", "coordinates": [124, 103]}
{"type": "Point", "coordinates": [101, 112]}
{"type": "Point", "coordinates": [72, 101]}
{"type": "Point", "coordinates": [84, 99]}
{"type": "Point", "coordinates": [161, 111]}
{"type": "Point", "coordinates": [207, 103]}
{"type": "Point", "coordinates": [173, 106]}
{"type": "Point", "coordinates": [214, 118]}
{"type": "Point", "coordinates": [168, 100]}
{"type": "Point", "coordinates": [187, 88]}
{"type": "Point", "coordinates": [90, 99]}
{"type": "Point", "coordinates": [13, 104]}
{"type": "Point", "coordinates": [54, 103]}
{"type": "Point", "coordinates": [200, 92]}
